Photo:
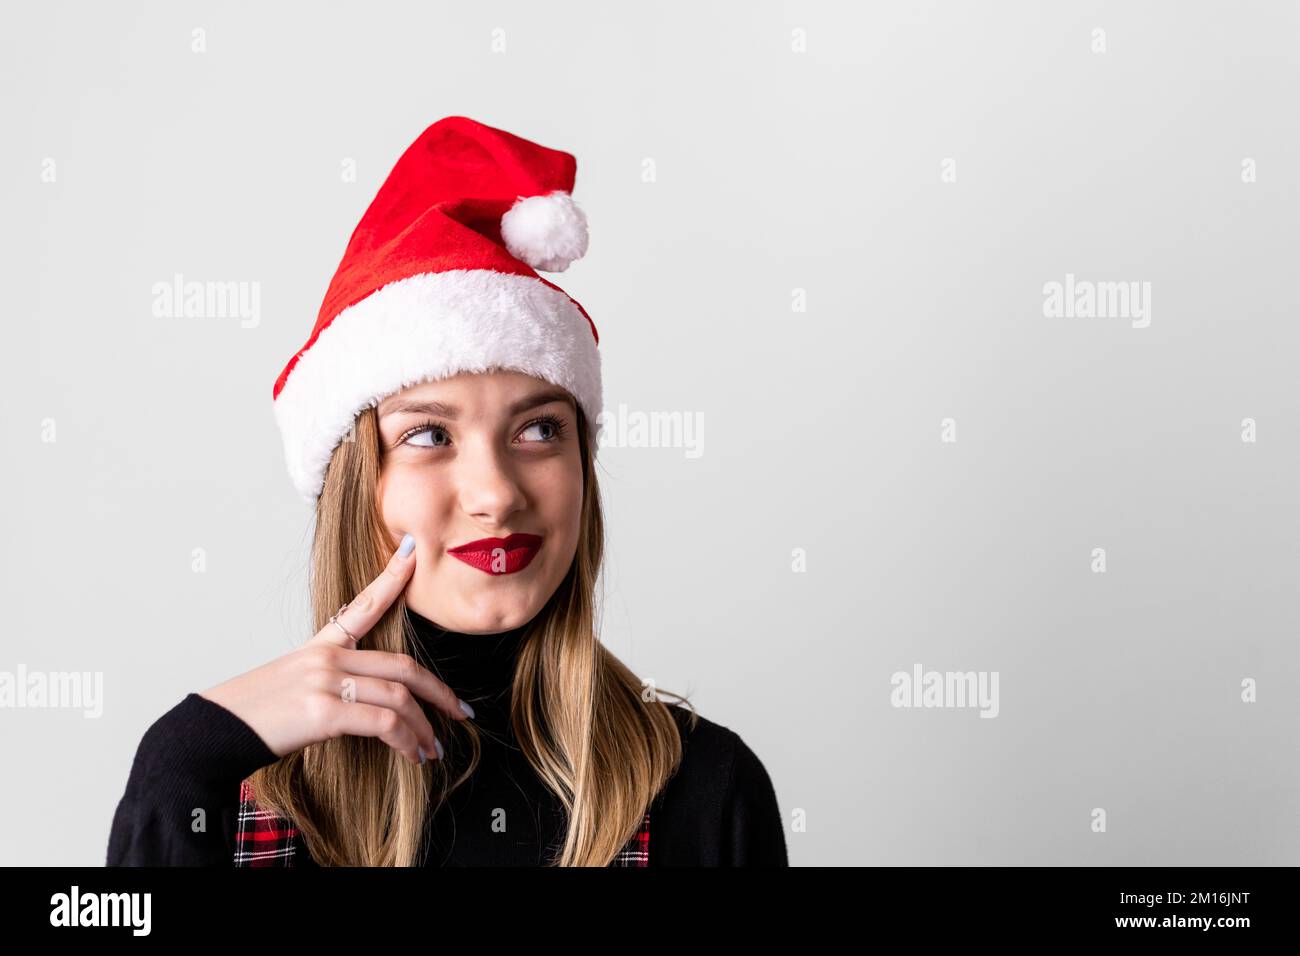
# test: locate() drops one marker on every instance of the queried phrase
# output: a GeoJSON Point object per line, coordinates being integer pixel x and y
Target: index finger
{"type": "Point", "coordinates": [361, 613]}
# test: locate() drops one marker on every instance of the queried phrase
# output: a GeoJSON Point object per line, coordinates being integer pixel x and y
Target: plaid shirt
{"type": "Point", "coordinates": [264, 839]}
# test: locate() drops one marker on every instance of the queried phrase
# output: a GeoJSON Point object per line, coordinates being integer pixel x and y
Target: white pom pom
{"type": "Point", "coordinates": [547, 232]}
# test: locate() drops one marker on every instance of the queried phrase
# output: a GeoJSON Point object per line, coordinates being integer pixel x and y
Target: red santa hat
{"type": "Point", "coordinates": [439, 278]}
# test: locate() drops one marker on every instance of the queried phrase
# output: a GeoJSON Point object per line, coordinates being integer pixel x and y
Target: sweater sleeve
{"type": "Point", "coordinates": [755, 826]}
{"type": "Point", "coordinates": [191, 759]}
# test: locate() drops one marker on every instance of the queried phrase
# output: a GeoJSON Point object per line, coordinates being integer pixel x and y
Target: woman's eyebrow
{"type": "Point", "coordinates": [443, 410]}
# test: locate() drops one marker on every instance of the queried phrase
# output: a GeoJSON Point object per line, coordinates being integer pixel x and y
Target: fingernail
{"type": "Point", "coordinates": [438, 744]}
{"type": "Point", "coordinates": [469, 711]}
{"type": "Point", "coordinates": [423, 758]}
{"type": "Point", "coordinates": [408, 545]}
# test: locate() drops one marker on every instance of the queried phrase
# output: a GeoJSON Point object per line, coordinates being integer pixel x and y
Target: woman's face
{"type": "Point", "coordinates": [481, 456]}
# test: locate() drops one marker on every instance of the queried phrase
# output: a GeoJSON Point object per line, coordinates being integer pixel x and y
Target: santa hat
{"type": "Point", "coordinates": [439, 278]}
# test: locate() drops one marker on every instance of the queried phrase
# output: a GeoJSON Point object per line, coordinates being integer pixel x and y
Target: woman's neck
{"type": "Point", "coordinates": [478, 667]}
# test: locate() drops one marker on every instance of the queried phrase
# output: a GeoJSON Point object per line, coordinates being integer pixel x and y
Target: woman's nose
{"type": "Point", "coordinates": [488, 488]}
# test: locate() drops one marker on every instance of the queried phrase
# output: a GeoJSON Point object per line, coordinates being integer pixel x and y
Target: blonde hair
{"type": "Point", "coordinates": [603, 745]}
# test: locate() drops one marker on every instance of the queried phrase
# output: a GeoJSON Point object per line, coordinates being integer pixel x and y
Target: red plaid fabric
{"type": "Point", "coordinates": [264, 839]}
{"type": "Point", "coordinates": [637, 850]}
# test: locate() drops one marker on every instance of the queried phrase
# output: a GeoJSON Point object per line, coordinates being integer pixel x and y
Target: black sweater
{"type": "Point", "coordinates": [719, 809]}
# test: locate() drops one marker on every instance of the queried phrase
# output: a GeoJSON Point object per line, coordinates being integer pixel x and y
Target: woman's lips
{"type": "Point", "coordinates": [499, 555]}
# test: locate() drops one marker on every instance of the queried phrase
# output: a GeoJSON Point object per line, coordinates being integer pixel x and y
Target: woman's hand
{"type": "Point", "coordinates": [328, 688]}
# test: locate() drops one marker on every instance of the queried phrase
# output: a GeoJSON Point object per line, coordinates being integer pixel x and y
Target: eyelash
{"type": "Point", "coordinates": [556, 423]}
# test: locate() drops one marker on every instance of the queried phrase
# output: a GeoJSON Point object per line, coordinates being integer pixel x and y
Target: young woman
{"type": "Point", "coordinates": [455, 705]}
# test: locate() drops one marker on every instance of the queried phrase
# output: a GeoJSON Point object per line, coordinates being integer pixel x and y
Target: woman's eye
{"type": "Point", "coordinates": [430, 435]}
{"type": "Point", "coordinates": [547, 427]}
{"type": "Point", "coordinates": [424, 438]}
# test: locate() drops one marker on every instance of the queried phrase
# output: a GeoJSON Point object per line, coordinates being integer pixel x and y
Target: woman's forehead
{"type": "Point", "coordinates": [496, 390]}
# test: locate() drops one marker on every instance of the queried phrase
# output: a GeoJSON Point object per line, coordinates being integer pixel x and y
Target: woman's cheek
{"type": "Point", "coordinates": [399, 505]}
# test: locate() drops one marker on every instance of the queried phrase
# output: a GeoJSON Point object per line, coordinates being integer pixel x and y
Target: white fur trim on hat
{"type": "Point", "coordinates": [425, 328]}
{"type": "Point", "coordinates": [548, 232]}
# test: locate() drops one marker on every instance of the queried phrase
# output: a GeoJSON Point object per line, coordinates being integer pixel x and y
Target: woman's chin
{"type": "Point", "coordinates": [463, 598]}
{"type": "Point", "coordinates": [493, 622]}
{"type": "Point", "coordinates": [486, 613]}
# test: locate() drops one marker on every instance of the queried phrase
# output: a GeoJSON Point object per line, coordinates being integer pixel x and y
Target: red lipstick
{"type": "Point", "coordinates": [499, 555]}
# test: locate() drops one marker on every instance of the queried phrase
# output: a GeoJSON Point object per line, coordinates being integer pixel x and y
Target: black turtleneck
{"type": "Point", "coordinates": [719, 809]}
{"type": "Point", "coordinates": [478, 667]}
{"type": "Point", "coordinates": [503, 815]}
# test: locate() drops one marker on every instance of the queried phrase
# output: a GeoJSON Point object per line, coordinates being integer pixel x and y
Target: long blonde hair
{"type": "Point", "coordinates": [601, 743]}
